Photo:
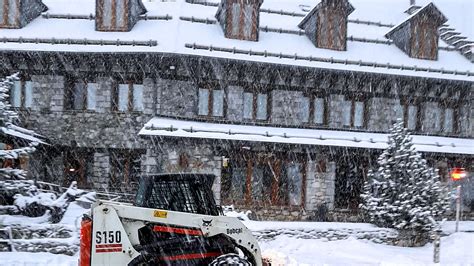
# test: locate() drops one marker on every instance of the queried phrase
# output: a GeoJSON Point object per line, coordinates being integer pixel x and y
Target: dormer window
{"type": "Point", "coordinates": [15, 14]}
{"type": "Point", "coordinates": [239, 18]}
{"type": "Point", "coordinates": [326, 24]}
{"type": "Point", "coordinates": [418, 35]}
{"type": "Point", "coordinates": [118, 15]}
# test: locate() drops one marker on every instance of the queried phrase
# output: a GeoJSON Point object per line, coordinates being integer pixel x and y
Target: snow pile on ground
{"type": "Point", "coordinates": [37, 259]}
{"type": "Point", "coordinates": [36, 234]}
{"type": "Point", "coordinates": [231, 212]}
{"type": "Point", "coordinates": [456, 249]}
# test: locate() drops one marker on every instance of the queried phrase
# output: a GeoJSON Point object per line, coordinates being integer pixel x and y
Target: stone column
{"type": "Point", "coordinates": [330, 184]}
{"type": "Point", "coordinates": [101, 170]}
{"type": "Point", "coordinates": [149, 161]}
{"type": "Point", "coordinates": [149, 96]}
{"type": "Point", "coordinates": [47, 93]}
{"type": "Point", "coordinates": [311, 200]}
{"type": "Point", "coordinates": [217, 171]}
{"type": "Point", "coordinates": [104, 95]}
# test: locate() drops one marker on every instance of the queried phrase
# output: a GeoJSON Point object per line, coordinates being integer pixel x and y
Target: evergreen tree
{"type": "Point", "coordinates": [8, 117]}
{"type": "Point", "coordinates": [404, 192]}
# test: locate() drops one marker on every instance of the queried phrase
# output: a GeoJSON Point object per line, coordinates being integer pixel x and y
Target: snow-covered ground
{"type": "Point", "coordinates": [287, 249]}
{"type": "Point", "coordinates": [456, 249]}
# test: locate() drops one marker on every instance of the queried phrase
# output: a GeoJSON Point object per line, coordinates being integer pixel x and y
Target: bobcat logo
{"type": "Point", "coordinates": [206, 223]}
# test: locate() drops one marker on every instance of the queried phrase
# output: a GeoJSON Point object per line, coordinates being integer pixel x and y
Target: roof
{"type": "Point", "coordinates": [427, 10]}
{"type": "Point", "coordinates": [21, 133]}
{"type": "Point", "coordinates": [184, 28]}
{"type": "Point", "coordinates": [192, 129]}
{"type": "Point", "coordinates": [349, 9]}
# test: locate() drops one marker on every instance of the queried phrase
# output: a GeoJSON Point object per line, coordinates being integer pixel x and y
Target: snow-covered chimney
{"type": "Point", "coordinates": [239, 18]}
{"type": "Point", "coordinates": [412, 8]}
{"type": "Point", "coordinates": [15, 14]}
{"type": "Point", "coordinates": [117, 15]}
{"type": "Point", "coordinates": [326, 24]}
{"type": "Point", "coordinates": [418, 35]}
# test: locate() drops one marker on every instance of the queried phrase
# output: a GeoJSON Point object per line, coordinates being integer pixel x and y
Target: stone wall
{"type": "Point", "coordinates": [336, 111]}
{"type": "Point", "coordinates": [178, 98]}
{"type": "Point", "coordinates": [185, 156]}
{"type": "Point", "coordinates": [432, 117]}
{"type": "Point", "coordinates": [320, 186]}
{"type": "Point", "coordinates": [383, 113]}
{"type": "Point", "coordinates": [235, 103]}
{"type": "Point", "coordinates": [286, 107]}
{"type": "Point", "coordinates": [101, 170]}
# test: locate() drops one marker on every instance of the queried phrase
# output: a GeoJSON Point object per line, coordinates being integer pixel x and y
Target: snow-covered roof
{"type": "Point", "coordinates": [192, 129]}
{"type": "Point", "coordinates": [186, 28]}
{"type": "Point", "coordinates": [25, 134]}
{"type": "Point", "coordinates": [426, 9]}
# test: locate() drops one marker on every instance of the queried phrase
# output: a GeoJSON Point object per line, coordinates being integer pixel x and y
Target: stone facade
{"type": "Point", "coordinates": [170, 89]}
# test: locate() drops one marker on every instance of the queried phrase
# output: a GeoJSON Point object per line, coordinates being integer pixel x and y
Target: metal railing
{"type": "Point", "coordinates": [8, 237]}
{"type": "Point", "coordinates": [330, 60]}
{"type": "Point", "coordinates": [84, 41]}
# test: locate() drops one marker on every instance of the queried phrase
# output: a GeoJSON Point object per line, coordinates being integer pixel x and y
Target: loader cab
{"type": "Point", "coordinates": [190, 193]}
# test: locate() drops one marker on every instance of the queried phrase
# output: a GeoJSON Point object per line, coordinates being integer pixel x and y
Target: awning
{"type": "Point", "coordinates": [192, 129]}
{"type": "Point", "coordinates": [22, 133]}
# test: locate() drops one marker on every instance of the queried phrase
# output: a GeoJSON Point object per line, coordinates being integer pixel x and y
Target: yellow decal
{"type": "Point", "coordinates": [160, 214]}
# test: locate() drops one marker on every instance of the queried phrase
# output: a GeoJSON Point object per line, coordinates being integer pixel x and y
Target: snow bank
{"type": "Point", "coordinates": [231, 212]}
{"type": "Point", "coordinates": [28, 259]}
{"type": "Point", "coordinates": [456, 249]}
{"type": "Point", "coordinates": [24, 220]}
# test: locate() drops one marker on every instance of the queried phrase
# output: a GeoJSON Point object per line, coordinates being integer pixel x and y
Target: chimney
{"type": "Point", "coordinates": [326, 24]}
{"type": "Point", "coordinates": [412, 8]}
{"type": "Point", "coordinates": [418, 35]}
{"type": "Point", "coordinates": [117, 15]}
{"type": "Point", "coordinates": [239, 18]}
{"type": "Point", "coordinates": [15, 14]}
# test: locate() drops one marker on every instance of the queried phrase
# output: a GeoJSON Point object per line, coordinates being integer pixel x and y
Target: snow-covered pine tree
{"type": "Point", "coordinates": [404, 192]}
{"type": "Point", "coordinates": [8, 117]}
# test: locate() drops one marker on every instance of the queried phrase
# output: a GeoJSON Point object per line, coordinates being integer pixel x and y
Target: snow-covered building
{"type": "Point", "coordinates": [288, 102]}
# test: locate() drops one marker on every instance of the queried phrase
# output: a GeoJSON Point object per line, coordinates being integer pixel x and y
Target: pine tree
{"type": "Point", "coordinates": [8, 117]}
{"type": "Point", "coordinates": [404, 192]}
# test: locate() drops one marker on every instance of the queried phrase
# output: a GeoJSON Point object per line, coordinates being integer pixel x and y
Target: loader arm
{"type": "Point", "coordinates": [115, 228]}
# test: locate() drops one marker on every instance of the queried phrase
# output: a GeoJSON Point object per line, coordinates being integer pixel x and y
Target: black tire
{"type": "Point", "coordinates": [230, 259]}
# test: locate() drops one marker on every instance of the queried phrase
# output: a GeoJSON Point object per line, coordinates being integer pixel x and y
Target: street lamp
{"type": "Point", "coordinates": [458, 174]}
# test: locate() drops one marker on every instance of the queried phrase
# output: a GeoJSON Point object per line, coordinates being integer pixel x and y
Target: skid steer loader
{"type": "Point", "coordinates": [174, 221]}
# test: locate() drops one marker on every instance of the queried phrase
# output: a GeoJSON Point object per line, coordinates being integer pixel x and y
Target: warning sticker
{"type": "Point", "coordinates": [160, 214]}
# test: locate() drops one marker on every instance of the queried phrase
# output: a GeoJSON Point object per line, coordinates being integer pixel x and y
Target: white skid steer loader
{"type": "Point", "coordinates": [174, 221]}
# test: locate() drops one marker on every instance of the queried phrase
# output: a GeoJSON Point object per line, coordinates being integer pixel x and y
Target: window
{"type": "Point", "coordinates": [21, 94]}
{"type": "Point", "coordinates": [354, 113]}
{"type": "Point", "coordinates": [217, 102]}
{"type": "Point", "coordinates": [211, 102]}
{"type": "Point", "coordinates": [81, 95]}
{"type": "Point", "coordinates": [77, 163]}
{"type": "Point", "coordinates": [319, 111]}
{"type": "Point", "coordinates": [124, 169]}
{"type": "Point", "coordinates": [129, 97]}
{"type": "Point", "coordinates": [203, 102]}
{"type": "Point", "coordinates": [412, 114]}
{"type": "Point", "coordinates": [358, 114]}
{"type": "Point", "coordinates": [449, 119]}
{"type": "Point", "coordinates": [263, 179]}
{"type": "Point", "coordinates": [304, 107]}
{"type": "Point", "coordinates": [255, 106]}
{"type": "Point", "coordinates": [248, 105]}
{"type": "Point", "coordinates": [262, 106]}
